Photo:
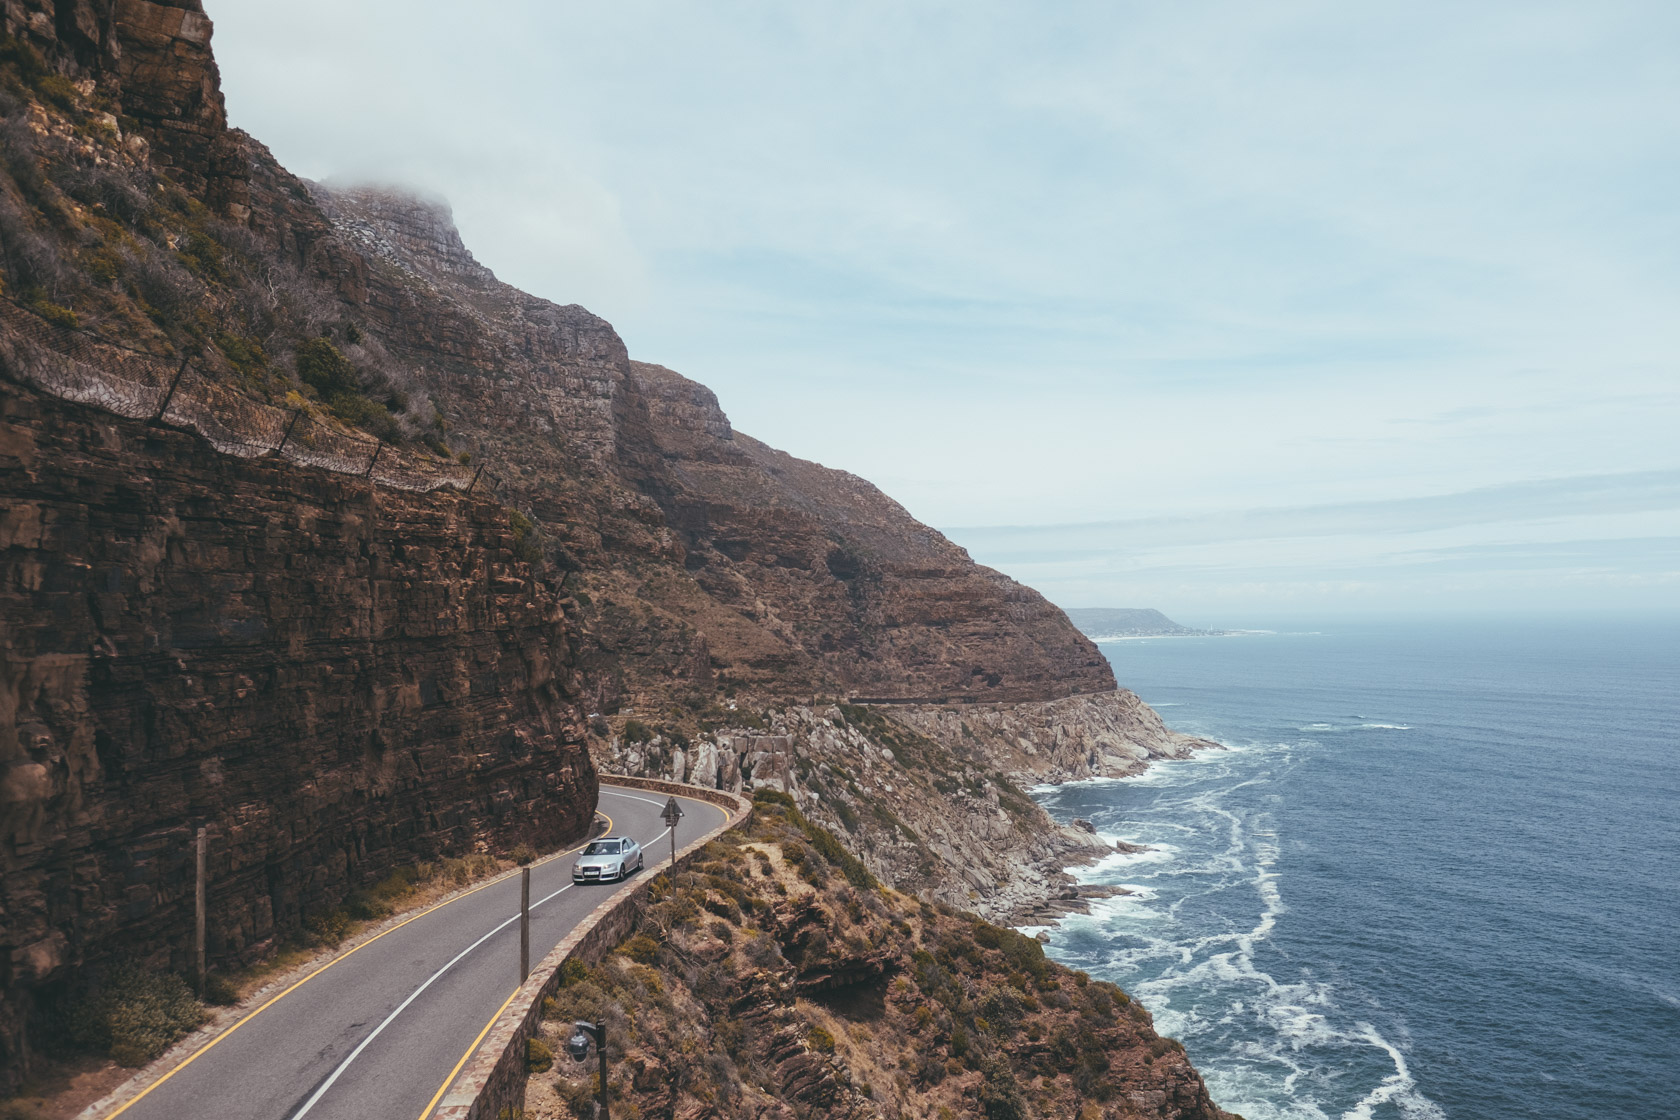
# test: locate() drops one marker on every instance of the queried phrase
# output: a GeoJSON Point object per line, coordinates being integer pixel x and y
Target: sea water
{"type": "Point", "coordinates": [1437, 873]}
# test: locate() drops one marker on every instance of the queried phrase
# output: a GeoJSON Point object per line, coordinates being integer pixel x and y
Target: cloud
{"type": "Point", "coordinates": [1581, 541]}
{"type": "Point", "coordinates": [1094, 261]}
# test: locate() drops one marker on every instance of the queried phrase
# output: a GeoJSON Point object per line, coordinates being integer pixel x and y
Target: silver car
{"type": "Point", "coordinates": [607, 859]}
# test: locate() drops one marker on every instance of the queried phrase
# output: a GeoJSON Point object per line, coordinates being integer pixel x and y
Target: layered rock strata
{"type": "Point", "coordinates": [334, 679]}
{"type": "Point", "coordinates": [930, 797]}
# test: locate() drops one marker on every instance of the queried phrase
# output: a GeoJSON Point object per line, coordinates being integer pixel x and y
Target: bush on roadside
{"type": "Point", "coordinates": [132, 1015]}
{"type": "Point", "coordinates": [539, 1056]}
{"type": "Point", "coordinates": [220, 991]}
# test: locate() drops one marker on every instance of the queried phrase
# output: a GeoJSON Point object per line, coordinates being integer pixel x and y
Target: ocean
{"type": "Point", "coordinates": [1437, 873]}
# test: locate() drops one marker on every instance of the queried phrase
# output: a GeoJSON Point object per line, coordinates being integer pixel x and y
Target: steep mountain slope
{"type": "Point", "coordinates": [702, 603]}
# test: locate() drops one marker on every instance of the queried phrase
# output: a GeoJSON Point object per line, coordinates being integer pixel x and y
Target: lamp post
{"type": "Point", "coordinates": [578, 1046]}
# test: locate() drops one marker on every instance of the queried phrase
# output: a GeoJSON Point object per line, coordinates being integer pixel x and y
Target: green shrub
{"type": "Point", "coordinates": [821, 839]}
{"type": "Point", "coordinates": [641, 949]}
{"type": "Point", "coordinates": [329, 926]}
{"type": "Point", "coordinates": [635, 731]}
{"type": "Point", "coordinates": [321, 367]}
{"type": "Point", "coordinates": [244, 353]}
{"type": "Point", "coordinates": [31, 70]}
{"type": "Point", "coordinates": [527, 541]}
{"type": "Point", "coordinates": [821, 1040]}
{"type": "Point", "coordinates": [572, 971]}
{"type": "Point", "coordinates": [219, 990]}
{"type": "Point", "coordinates": [56, 314]}
{"type": "Point", "coordinates": [539, 1056]}
{"type": "Point", "coordinates": [366, 906]}
{"type": "Point", "coordinates": [203, 257]}
{"type": "Point", "coordinates": [523, 855]}
{"type": "Point", "coordinates": [133, 1016]}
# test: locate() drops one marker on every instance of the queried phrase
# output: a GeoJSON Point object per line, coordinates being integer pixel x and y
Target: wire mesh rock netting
{"type": "Point", "coordinates": [78, 367]}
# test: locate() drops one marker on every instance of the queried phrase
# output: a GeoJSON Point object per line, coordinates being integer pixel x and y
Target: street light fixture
{"type": "Point", "coordinates": [578, 1046]}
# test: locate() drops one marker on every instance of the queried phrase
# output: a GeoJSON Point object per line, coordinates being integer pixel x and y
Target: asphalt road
{"type": "Point", "coordinates": [376, 1033]}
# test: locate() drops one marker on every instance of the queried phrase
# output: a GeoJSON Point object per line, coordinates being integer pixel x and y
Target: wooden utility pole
{"type": "Point", "coordinates": [524, 923]}
{"type": "Point", "coordinates": [198, 926]}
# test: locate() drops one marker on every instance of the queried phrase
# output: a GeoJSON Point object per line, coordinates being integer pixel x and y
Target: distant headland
{"type": "Point", "coordinates": [1103, 624]}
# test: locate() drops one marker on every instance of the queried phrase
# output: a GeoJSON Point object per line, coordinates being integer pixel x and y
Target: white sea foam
{"type": "Point", "coordinates": [1100, 871]}
{"type": "Point", "coordinates": [1397, 1086]}
{"type": "Point", "coordinates": [1206, 898]}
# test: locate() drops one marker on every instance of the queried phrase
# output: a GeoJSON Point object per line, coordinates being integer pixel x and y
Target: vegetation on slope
{"type": "Point", "coordinates": [773, 977]}
{"type": "Point", "coordinates": [94, 237]}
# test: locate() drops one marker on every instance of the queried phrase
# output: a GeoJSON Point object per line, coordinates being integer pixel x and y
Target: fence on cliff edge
{"type": "Point", "coordinates": [77, 366]}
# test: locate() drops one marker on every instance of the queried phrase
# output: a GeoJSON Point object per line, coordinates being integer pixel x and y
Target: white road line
{"type": "Point", "coordinates": [631, 796]}
{"type": "Point", "coordinates": [354, 1054]}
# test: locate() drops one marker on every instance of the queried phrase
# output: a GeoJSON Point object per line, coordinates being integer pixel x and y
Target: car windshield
{"type": "Point", "coordinates": [602, 848]}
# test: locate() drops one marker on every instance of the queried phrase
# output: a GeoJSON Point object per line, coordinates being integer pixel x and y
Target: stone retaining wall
{"type": "Point", "coordinates": [492, 1082]}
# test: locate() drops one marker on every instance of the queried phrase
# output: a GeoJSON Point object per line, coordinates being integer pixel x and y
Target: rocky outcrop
{"type": "Point", "coordinates": [334, 678]}
{"type": "Point", "coordinates": [1105, 735]}
{"type": "Point", "coordinates": [930, 798]}
{"type": "Point", "coordinates": [771, 981]}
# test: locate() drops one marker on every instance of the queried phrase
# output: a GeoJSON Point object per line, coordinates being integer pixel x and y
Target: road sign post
{"type": "Point", "coordinates": [671, 815]}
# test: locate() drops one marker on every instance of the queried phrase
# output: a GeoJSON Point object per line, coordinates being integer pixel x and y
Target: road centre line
{"type": "Point", "coordinates": [401, 1007]}
{"type": "Point", "coordinates": [632, 797]}
{"type": "Point", "coordinates": [213, 1043]}
{"type": "Point", "coordinates": [446, 1081]}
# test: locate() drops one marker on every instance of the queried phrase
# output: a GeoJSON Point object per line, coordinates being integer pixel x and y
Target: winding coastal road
{"type": "Point", "coordinates": [378, 1033]}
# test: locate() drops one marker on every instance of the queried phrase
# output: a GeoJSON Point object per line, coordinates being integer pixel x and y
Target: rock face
{"type": "Point", "coordinates": [775, 573]}
{"type": "Point", "coordinates": [930, 797]}
{"type": "Point", "coordinates": [339, 678]}
{"type": "Point", "coordinates": [1109, 735]}
{"type": "Point", "coordinates": [770, 982]}
{"type": "Point", "coordinates": [335, 679]}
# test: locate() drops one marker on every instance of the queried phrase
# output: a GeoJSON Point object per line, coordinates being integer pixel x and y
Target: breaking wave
{"type": "Point", "coordinates": [1190, 939]}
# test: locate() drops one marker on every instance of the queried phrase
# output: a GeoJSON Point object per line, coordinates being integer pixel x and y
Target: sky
{"type": "Point", "coordinates": [1221, 308]}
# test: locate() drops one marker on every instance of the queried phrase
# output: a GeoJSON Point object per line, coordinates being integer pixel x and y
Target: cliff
{"type": "Point", "coordinates": [335, 678]}
{"type": "Point", "coordinates": [706, 559]}
{"type": "Point", "coordinates": [338, 676]}
{"type": "Point", "coordinates": [771, 980]}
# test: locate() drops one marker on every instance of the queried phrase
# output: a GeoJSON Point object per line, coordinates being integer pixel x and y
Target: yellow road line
{"type": "Point", "coordinates": [437, 1096]}
{"type": "Point", "coordinates": [447, 1081]}
{"type": "Point", "coordinates": [213, 1043]}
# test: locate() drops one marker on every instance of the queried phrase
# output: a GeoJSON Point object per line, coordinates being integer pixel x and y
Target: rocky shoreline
{"type": "Point", "coordinates": [932, 798]}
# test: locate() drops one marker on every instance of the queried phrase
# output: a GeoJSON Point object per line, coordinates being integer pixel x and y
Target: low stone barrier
{"type": "Point", "coordinates": [492, 1082]}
